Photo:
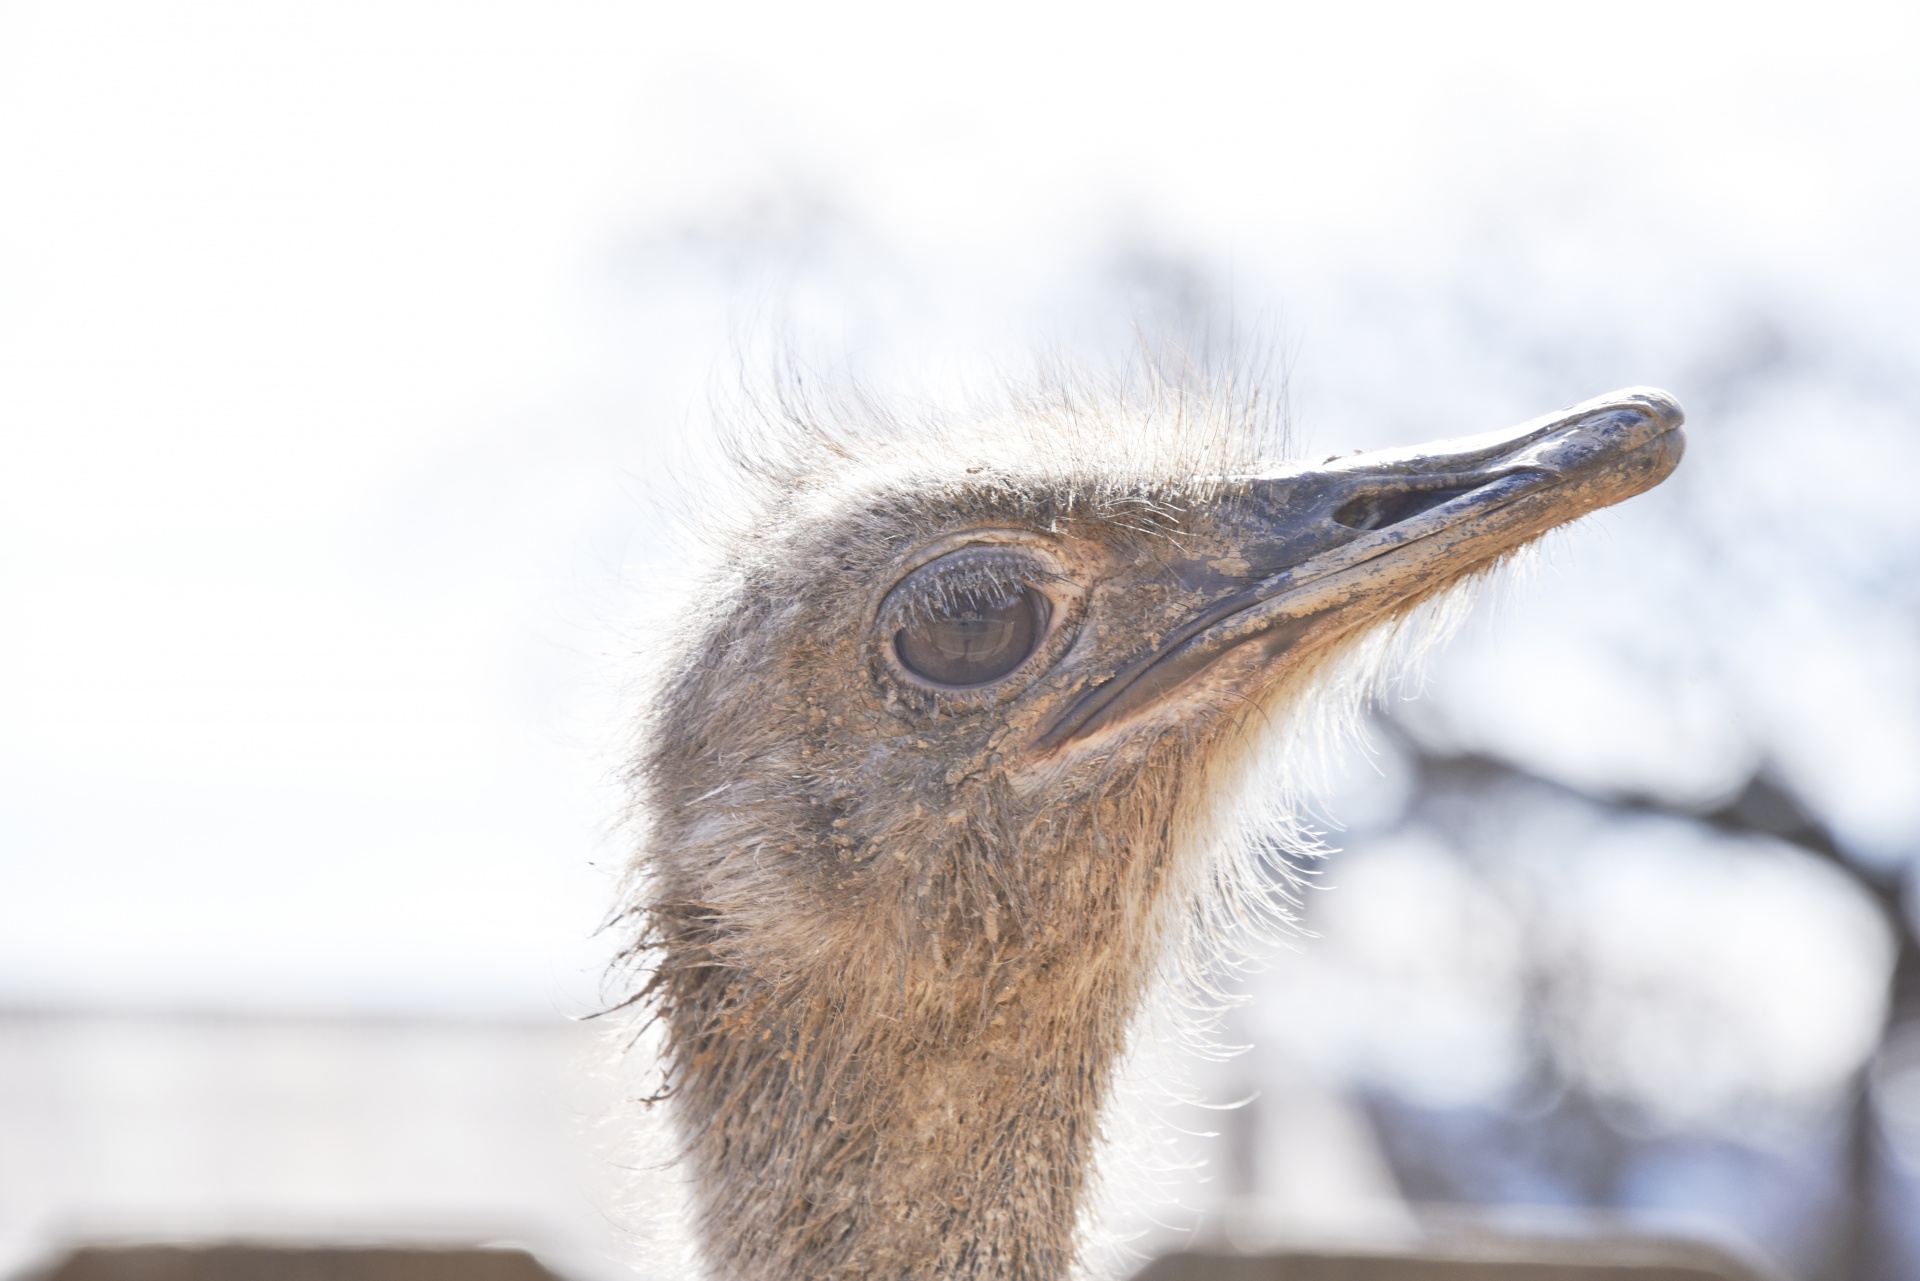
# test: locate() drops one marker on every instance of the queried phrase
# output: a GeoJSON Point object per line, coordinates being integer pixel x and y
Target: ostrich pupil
{"type": "Point", "coordinates": [971, 641]}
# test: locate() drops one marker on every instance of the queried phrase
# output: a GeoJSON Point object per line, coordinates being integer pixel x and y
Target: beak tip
{"type": "Point", "coordinates": [1660, 405]}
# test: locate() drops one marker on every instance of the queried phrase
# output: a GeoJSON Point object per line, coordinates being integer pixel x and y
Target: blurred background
{"type": "Point", "coordinates": [354, 365]}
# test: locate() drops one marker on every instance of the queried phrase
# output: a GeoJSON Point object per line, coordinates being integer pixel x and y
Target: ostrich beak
{"type": "Point", "coordinates": [1315, 554]}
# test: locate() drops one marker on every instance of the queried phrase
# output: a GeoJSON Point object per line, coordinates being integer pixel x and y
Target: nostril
{"type": "Point", "coordinates": [1383, 507]}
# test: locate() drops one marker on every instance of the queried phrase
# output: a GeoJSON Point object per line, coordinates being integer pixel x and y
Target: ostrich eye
{"type": "Point", "coordinates": [972, 637]}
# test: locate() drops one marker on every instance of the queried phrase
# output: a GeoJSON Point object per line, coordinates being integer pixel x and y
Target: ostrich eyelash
{"type": "Point", "coordinates": [947, 594]}
{"type": "Point", "coordinates": [937, 590]}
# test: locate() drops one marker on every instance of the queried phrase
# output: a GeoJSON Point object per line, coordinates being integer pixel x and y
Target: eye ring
{"type": "Point", "coordinates": [1025, 610]}
{"type": "Point", "coordinates": [972, 637]}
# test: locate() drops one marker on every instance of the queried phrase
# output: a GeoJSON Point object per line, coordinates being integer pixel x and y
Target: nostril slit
{"type": "Point", "coordinates": [1384, 507]}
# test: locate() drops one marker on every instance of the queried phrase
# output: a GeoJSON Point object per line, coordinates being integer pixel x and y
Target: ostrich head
{"type": "Point", "coordinates": [935, 787]}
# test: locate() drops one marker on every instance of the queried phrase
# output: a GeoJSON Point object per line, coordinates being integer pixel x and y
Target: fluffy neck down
{"type": "Point", "coordinates": [900, 1072]}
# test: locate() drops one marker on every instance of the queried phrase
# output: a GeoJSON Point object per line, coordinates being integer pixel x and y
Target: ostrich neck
{"type": "Point", "coordinates": [887, 1152]}
{"type": "Point", "coordinates": [913, 1112]}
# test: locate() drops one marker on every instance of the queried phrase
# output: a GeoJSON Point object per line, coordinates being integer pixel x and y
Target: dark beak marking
{"type": "Point", "coordinates": [1384, 507]}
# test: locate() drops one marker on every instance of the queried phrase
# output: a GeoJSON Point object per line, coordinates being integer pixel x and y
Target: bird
{"type": "Point", "coordinates": [945, 773]}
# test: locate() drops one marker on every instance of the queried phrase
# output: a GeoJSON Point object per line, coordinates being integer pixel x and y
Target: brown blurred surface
{"type": "Point", "coordinates": [293, 1263]}
{"type": "Point", "coordinates": [1546, 1261]}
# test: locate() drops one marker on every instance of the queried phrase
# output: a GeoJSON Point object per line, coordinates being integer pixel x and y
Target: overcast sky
{"type": "Point", "coordinates": [340, 345]}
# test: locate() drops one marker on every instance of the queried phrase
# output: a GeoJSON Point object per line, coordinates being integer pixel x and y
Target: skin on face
{"type": "Point", "coordinates": [926, 793]}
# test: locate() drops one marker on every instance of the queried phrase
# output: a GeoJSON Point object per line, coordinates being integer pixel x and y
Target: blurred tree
{"type": "Point", "coordinates": [1561, 1135]}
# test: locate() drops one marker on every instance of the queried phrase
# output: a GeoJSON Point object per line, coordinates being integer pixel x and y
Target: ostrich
{"type": "Point", "coordinates": [944, 773]}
